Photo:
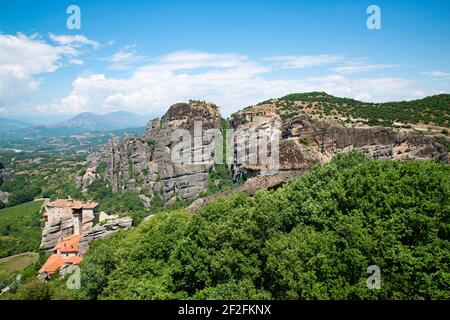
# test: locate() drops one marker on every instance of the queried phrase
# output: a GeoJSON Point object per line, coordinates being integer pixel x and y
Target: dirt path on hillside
{"type": "Point", "coordinates": [17, 255]}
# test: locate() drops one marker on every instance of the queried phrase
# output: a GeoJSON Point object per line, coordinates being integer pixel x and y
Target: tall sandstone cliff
{"type": "Point", "coordinates": [144, 164]}
{"type": "Point", "coordinates": [305, 141]}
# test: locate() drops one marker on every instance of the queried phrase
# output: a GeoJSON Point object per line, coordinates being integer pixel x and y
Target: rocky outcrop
{"type": "Point", "coordinates": [250, 187]}
{"type": "Point", "coordinates": [62, 226]}
{"type": "Point", "coordinates": [147, 166]}
{"type": "Point", "coordinates": [296, 140]}
{"type": "Point", "coordinates": [305, 142]}
{"type": "Point", "coordinates": [128, 163]}
{"type": "Point", "coordinates": [88, 178]}
{"type": "Point", "coordinates": [376, 142]}
{"type": "Point", "coordinates": [4, 174]}
{"type": "Point", "coordinates": [103, 230]}
{"type": "Point", "coordinates": [4, 196]}
{"type": "Point", "coordinates": [1, 173]}
{"type": "Point", "coordinates": [380, 142]}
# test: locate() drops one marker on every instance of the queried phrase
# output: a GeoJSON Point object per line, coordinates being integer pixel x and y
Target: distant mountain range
{"type": "Point", "coordinates": [429, 110]}
{"type": "Point", "coordinates": [107, 122]}
{"type": "Point", "coordinates": [81, 123]}
{"type": "Point", "coordinates": [10, 124]}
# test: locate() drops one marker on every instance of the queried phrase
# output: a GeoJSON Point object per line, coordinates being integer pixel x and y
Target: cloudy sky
{"type": "Point", "coordinates": [143, 56]}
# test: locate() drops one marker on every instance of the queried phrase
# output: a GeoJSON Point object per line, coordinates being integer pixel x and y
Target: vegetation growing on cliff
{"type": "Point", "coordinates": [311, 239]}
{"type": "Point", "coordinates": [442, 141]}
{"type": "Point", "coordinates": [220, 176]}
{"type": "Point", "coordinates": [429, 110]}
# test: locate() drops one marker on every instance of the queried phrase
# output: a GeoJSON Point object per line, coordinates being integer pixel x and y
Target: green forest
{"type": "Point", "coordinates": [310, 239]}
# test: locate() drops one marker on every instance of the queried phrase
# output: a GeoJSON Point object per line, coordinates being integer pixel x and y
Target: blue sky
{"type": "Point", "coordinates": [142, 56]}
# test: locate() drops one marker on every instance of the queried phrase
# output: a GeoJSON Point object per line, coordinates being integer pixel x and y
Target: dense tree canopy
{"type": "Point", "coordinates": [311, 239]}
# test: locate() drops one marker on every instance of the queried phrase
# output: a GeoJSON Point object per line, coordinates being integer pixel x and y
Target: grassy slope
{"type": "Point", "coordinates": [20, 229]}
{"type": "Point", "coordinates": [17, 263]}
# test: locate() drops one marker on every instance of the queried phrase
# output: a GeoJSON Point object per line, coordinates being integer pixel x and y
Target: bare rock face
{"type": "Point", "coordinates": [145, 165]}
{"type": "Point", "coordinates": [305, 142]}
{"type": "Point", "coordinates": [87, 179]}
{"type": "Point", "coordinates": [4, 174]}
{"type": "Point", "coordinates": [126, 161]}
{"type": "Point", "coordinates": [375, 142]}
{"type": "Point", "coordinates": [250, 187]}
{"type": "Point", "coordinates": [62, 227]}
{"type": "Point", "coordinates": [4, 196]}
{"type": "Point", "coordinates": [1, 173]}
{"type": "Point", "coordinates": [103, 230]}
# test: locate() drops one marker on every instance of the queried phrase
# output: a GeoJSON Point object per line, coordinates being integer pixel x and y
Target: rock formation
{"type": "Point", "coordinates": [89, 177]}
{"type": "Point", "coordinates": [4, 174]}
{"type": "Point", "coordinates": [145, 165]}
{"type": "Point", "coordinates": [305, 141]}
{"type": "Point", "coordinates": [62, 226]}
{"type": "Point", "coordinates": [4, 196]}
{"type": "Point", "coordinates": [1, 173]}
{"type": "Point", "coordinates": [103, 230]}
{"type": "Point", "coordinates": [250, 187]}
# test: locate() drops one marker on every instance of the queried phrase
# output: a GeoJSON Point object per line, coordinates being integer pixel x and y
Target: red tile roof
{"type": "Point", "coordinates": [68, 244]}
{"type": "Point", "coordinates": [56, 261]}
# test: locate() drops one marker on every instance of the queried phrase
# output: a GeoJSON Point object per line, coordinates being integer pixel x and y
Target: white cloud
{"type": "Point", "coordinates": [232, 81]}
{"type": "Point", "coordinates": [418, 94]}
{"type": "Point", "coordinates": [76, 61]}
{"type": "Point", "coordinates": [304, 61]}
{"type": "Point", "coordinates": [342, 64]}
{"type": "Point", "coordinates": [361, 65]}
{"type": "Point", "coordinates": [73, 40]}
{"type": "Point", "coordinates": [23, 59]}
{"type": "Point", "coordinates": [437, 74]}
{"type": "Point", "coordinates": [125, 58]}
{"type": "Point", "coordinates": [362, 68]}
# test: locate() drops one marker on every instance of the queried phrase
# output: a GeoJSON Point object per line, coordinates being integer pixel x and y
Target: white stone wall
{"type": "Point", "coordinates": [55, 213]}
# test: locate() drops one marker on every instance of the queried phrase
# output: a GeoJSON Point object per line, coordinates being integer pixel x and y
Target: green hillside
{"type": "Point", "coordinates": [430, 110]}
{"type": "Point", "coordinates": [17, 263]}
{"type": "Point", "coordinates": [314, 238]}
{"type": "Point", "coordinates": [20, 229]}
